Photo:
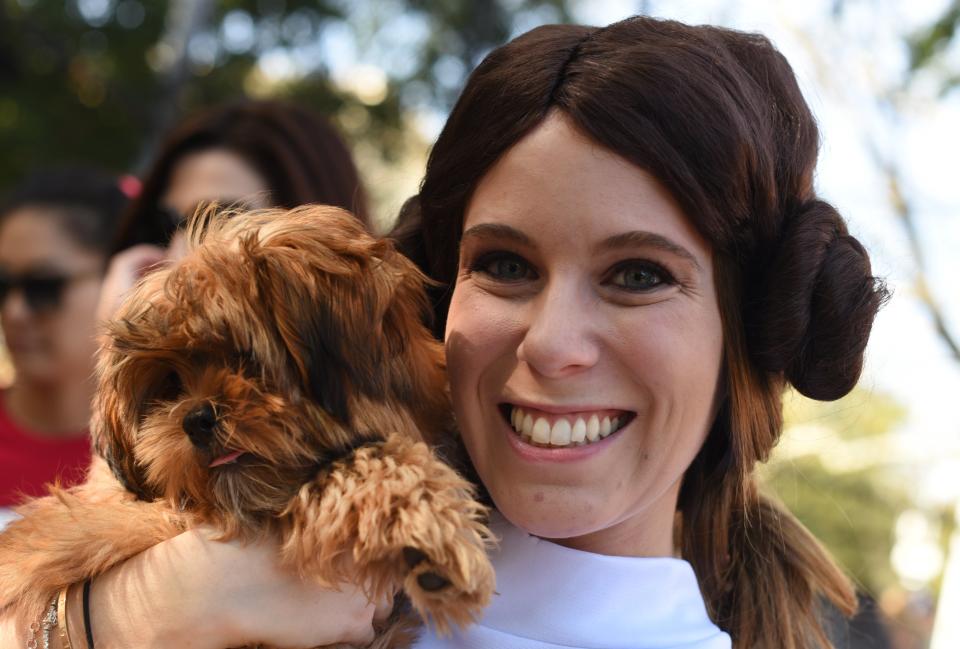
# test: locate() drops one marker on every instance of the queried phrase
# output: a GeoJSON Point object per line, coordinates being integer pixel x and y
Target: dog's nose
{"type": "Point", "coordinates": [200, 423]}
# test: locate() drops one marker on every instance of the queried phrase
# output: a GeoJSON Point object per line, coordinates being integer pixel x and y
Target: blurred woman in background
{"type": "Point", "coordinates": [55, 235]}
{"type": "Point", "coordinates": [252, 153]}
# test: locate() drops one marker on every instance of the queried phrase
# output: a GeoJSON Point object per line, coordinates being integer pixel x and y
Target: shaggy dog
{"type": "Point", "coordinates": [276, 381]}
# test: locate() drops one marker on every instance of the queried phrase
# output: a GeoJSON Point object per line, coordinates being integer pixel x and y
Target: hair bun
{"type": "Point", "coordinates": [815, 305]}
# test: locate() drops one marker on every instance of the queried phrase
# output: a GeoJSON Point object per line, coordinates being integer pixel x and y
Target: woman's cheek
{"type": "Point", "coordinates": [479, 324]}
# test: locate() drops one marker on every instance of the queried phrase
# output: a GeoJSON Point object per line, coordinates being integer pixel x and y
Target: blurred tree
{"type": "Point", "coordinates": [100, 80]}
{"type": "Point", "coordinates": [928, 45]}
{"type": "Point", "coordinates": [835, 470]}
{"type": "Point", "coordinates": [930, 71]}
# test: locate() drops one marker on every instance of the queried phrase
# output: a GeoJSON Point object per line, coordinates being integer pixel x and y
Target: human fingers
{"type": "Point", "coordinates": [382, 610]}
{"type": "Point", "coordinates": [178, 246]}
{"type": "Point", "coordinates": [125, 269]}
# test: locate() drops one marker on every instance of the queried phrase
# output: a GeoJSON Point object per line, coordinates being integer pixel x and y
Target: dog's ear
{"type": "Point", "coordinates": [322, 359]}
{"type": "Point", "coordinates": [112, 428]}
{"type": "Point", "coordinates": [409, 356]}
{"type": "Point", "coordinates": [348, 308]}
{"type": "Point", "coordinates": [313, 335]}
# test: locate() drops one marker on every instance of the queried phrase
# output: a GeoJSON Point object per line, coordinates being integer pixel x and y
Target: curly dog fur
{"type": "Point", "coordinates": [277, 380]}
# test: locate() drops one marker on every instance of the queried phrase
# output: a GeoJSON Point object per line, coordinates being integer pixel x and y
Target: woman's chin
{"type": "Point", "coordinates": [549, 516]}
{"type": "Point", "coordinates": [36, 369]}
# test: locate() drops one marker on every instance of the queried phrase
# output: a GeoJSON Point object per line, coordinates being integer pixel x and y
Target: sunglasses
{"type": "Point", "coordinates": [169, 221]}
{"type": "Point", "coordinates": [43, 292]}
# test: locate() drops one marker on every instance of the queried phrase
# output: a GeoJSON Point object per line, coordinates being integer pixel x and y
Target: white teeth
{"type": "Point", "coordinates": [526, 428]}
{"type": "Point", "coordinates": [593, 428]}
{"type": "Point", "coordinates": [579, 432]}
{"type": "Point", "coordinates": [541, 431]}
{"type": "Point", "coordinates": [560, 433]}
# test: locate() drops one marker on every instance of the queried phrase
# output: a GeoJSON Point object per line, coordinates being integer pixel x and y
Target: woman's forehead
{"type": "Point", "coordinates": [557, 183]}
{"type": "Point", "coordinates": [213, 175]}
{"type": "Point", "coordinates": [34, 235]}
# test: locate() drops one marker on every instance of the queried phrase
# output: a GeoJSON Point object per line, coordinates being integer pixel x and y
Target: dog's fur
{"type": "Point", "coordinates": [297, 338]}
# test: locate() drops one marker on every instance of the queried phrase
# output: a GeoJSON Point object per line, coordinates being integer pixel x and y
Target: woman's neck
{"type": "Point", "coordinates": [59, 410]}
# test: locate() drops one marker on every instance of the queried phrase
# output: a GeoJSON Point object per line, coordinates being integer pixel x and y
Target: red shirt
{"type": "Point", "coordinates": [28, 460]}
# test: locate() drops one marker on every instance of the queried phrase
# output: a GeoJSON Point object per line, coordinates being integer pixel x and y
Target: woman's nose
{"type": "Point", "coordinates": [561, 334]}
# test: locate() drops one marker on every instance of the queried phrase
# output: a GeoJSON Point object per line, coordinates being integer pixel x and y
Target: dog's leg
{"type": "Point", "coordinates": [395, 515]}
{"type": "Point", "coordinates": [71, 535]}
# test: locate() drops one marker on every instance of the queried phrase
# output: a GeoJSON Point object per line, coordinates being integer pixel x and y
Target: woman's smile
{"type": "Point", "coordinates": [557, 429]}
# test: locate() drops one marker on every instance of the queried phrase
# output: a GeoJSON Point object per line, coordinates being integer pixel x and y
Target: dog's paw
{"type": "Point", "coordinates": [406, 519]}
{"type": "Point", "coordinates": [450, 582]}
{"type": "Point", "coordinates": [423, 570]}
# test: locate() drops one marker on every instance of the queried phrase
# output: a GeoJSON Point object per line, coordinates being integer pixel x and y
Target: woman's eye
{"type": "Point", "coordinates": [504, 267]}
{"type": "Point", "coordinates": [639, 277]}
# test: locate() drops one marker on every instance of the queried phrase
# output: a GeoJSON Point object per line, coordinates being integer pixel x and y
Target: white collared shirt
{"type": "Point", "coordinates": [553, 597]}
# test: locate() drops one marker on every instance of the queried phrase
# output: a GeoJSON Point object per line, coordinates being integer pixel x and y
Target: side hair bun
{"type": "Point", "coordinates": [812, 309]}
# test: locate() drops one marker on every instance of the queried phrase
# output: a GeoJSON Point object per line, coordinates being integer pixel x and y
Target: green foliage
{"type": "Point", "coordinates": [100, 82]}
{"type": "Point", "coordinates": [932, 40]}
{"type": "Point", "coordinates": [853, 512]}
{"type": "Point", "coordinates": [861, 413]}
{"type": "Point", "coordinates": [70, 91]}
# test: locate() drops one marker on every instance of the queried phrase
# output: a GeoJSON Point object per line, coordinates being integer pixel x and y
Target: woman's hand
{"type": "Point", "coordinates": [192, 591]}
{"type": "Point", "coordinates": [125, 269]}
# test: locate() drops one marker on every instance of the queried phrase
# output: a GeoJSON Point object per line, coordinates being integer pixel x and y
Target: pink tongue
{"type": "Point", "coordinates": [226, 459]}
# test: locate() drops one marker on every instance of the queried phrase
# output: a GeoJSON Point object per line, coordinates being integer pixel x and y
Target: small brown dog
{"type": "Point", "coordinates": [277, 380]}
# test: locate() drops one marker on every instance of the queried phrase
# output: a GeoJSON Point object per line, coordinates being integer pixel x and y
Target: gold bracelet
{"type": "Point", "coordinates": [62, 619]}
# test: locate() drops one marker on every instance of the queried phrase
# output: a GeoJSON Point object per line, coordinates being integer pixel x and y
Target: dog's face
{"type": "Point", "coordinates": [281, 342]}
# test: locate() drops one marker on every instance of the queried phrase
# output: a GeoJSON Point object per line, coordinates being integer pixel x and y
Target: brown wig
{"type": "Point", "coordinates": [717, 117]}
{"type": "Point", "coordinates": [299, 155]}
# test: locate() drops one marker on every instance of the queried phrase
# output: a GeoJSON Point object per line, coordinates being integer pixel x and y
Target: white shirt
{"type": "Point", "coordinates": [553, 597]}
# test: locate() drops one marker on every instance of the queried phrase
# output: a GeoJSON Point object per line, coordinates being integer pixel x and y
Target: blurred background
{"type": "Point", "coordinates": [876, 475]}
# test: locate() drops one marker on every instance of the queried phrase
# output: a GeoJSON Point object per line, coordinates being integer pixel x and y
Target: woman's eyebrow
{"type": "Point", "coordinates": [636, 238]}
{"type": "Point", "coordinates": [497, 231]}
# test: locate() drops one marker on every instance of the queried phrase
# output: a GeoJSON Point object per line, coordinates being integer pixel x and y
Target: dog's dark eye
{"type": "Point", "coordinates": [170, 387]}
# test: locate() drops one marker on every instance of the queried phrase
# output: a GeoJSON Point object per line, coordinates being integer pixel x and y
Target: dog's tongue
{"type": "Point", "coordinates": [226, 459]}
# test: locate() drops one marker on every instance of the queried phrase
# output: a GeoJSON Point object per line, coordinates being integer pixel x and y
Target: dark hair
{"type": "Point", "coordinates": [86, 202]}
{"type": "Point", "coordinates": [299, 155]}
{"type": "Point", "coordinates": [717, 117]}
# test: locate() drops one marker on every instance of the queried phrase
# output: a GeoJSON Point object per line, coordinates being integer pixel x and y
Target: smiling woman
{"type": "Point", "coordinates": [599, 313]}
{"type": "Point", "coordinates": [632, 265]}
